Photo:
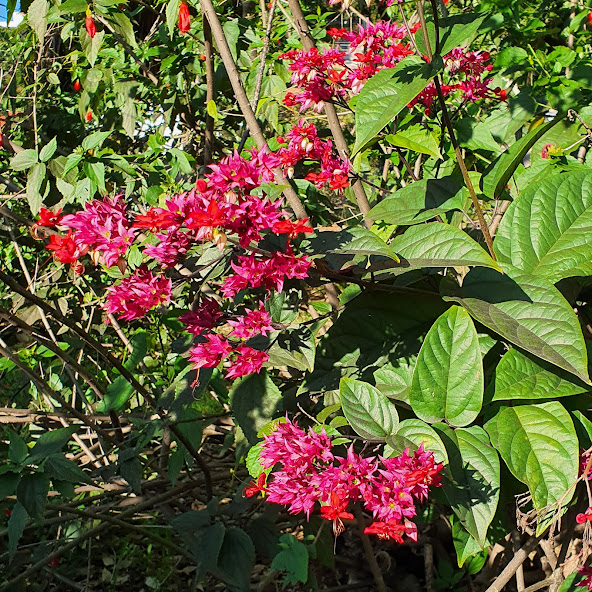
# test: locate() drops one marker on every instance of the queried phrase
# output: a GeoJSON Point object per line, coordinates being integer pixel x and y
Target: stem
{"type": "Point", "coordinates": [208, 49]}
{"type": "Point", "coordinates": [332, 119]}
{"type": "Point", "coordinates": [448, 124]}
{"type": "Point", "coordinates": [376, 573]}
{"type": "Point", "coordinates": [243, 102]}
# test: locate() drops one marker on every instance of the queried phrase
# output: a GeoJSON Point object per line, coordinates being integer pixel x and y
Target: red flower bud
{"type": "Point", "coordinates": [89, 115]}
{"type": "Point", "coordinates": [91, 28]}
{"type": "Point", "coordinates": [590, 17]}
{"type": "Point", "coordinates": [184, 18]}
{"type": "Point", "coordinates": [77, 86]}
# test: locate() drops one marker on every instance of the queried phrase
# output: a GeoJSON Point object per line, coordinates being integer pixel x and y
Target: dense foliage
{"type": "Point", "coordinates": [266, 268]}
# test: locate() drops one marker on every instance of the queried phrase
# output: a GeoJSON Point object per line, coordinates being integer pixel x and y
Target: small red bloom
{"type": "Point", "coordinates": [184, 18]}
{"type": "Point", "coordinates": [335, 511]}
{"type": "Point", "coordinates": [77, 85]}
{"type": "Point", "coordinates": [7, 512]}
{"type": "Point", "coordinates": [89, 116]}
{"type": "Point", "coordinates": [155, 219]}
{"type": "Point", "coordinates": [65, 250]}
{"type": "Point", "coordinates": [90, 26]}
{"type": "Point", "coordinates": [48, 218]}
{"type": "Point", "coordinates": [255, 488]}
{"type": "Point", "coordinates": [54, 562]}
{"type": "Point", "coordinates": [387, 530]}
{"type": "Point", "coordinates": [590, 17]}
{"type": "Point", "coordinates": [586, 517]}
{"type": "Point", "coordinates": [292, 229]}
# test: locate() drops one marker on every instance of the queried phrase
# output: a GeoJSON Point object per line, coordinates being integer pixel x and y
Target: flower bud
{"type": "Point", "coordinates": [90, 26]}
{"type": "Point", "coordinates": [184, 18]}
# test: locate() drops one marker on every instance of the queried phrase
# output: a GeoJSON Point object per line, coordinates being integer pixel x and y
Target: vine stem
{"type": "Point", "coordinates": [448, 124]}
{"type": "Point", "coordinates": [332, 118]}
{"type": "Point", "coordinates": [372, 563]}
{"type": "Point", "coordinates": [243, 102]}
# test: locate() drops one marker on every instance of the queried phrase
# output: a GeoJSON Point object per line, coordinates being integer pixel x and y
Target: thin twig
{"type": "Point", "coordinates": [370, 557]}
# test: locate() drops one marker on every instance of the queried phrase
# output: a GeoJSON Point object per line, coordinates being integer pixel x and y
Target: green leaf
{"type": "Point", "coordinates": [368, 411]}
{"type": "Point", "coordinates": [59, 467]}
{"type": "Point", "coordinates": [31, 492]}
{"type": "Point", "coordinates": [37, 17]}
{"type": "Point", "coordinates": [365, 242]}
{"type": "Point", "coordinates": [252, 461]}
{"type": "Point", "coordinates": [415, 432]}
{"type": "Point", "coordinates": [293, 559]}
{"type": "Point", "coordinates": [172, 16]}
{"type": "Point", "coordinates": [211, 109]}
{"type": "Point", "coordinates": [522, 376]}
{"type": "Point", "coordinates": [458, 30]}
{"type": "Point", "coordinates": [50, 443]}
{"type": "Point", "coordinates": [527, 311]}
{"type": "Point", "coordinates": [448, 376]}
{"type": "Point", "coordinates": [540, 447]}
{"type": "Point", "coordinates": [464, 544]}
{"type": "Point", "coordinates": [16, 526]}
{"type": "Point", "coordinates": [23, 160]}
{"type": "Point", "coordinates": [236, 560]}
{"type": "Point", "coordinates": [547, 231]}
{"type": "Point", "coordinates": [52, 78]}
{"type": "Point", "coordinates": [119, 392]}
{"type": "Point", "coordinates": [73, 6]}
{"type": "Point", "coordinates": [420, 201]}
{"type": "Point", "coordinates": [474, 470]}
{"type": "Point", "coordinates": [386, 94]}
{"type": "Point", "coordinates": [94, 140]}
{"type": "Point", "coordinates": [498, 175]}
{"type": "Point", "coordinates": [294, 348]}
{"type": "Point", "coordinates": [8, 483]}
{"type": "Point", "coordinates": [35, 179]}
{"type": "Point", "coordinates": [91, 46]}
{"type": "Point", "coordinates": [417, 139]}
{"type": "Point", "coordinates": [48, 150]}
{"type": "Point", "coordinates": [254, 400]}
{"type": "Point", "coordinates": [17, 449]}
{"type": "Point", "coordinates": [123, 26]}
{"type": "Point", "coordinates": [374, 330]}
{"type": "Point", "coordinates": [440, 245]}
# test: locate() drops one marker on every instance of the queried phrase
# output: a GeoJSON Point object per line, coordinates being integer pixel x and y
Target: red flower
{"type": "Point", "coordinates": [90, 26]}
{"type": "Point", "coordinates": [48, 218]}
{"type": "Point", "coordinates": [155, 219]}
{"type": "Point", "coordinates": [292, 229]}
{"type": "Point", "coordinates": [387, 530]}
{"type": "Point", "coordinates": [7, 512]}
{"type": "Point", "coordinates": [65, 250]}
{"type": "Point", "coordinates": [54, 562]}
{"type": "Point", "coordinates": [89, 115]}
{"type": "Point", "coordinates": [590, 17]}
{"type": "Point", "coordinates": [586, 517]}
{"type": "Point", "coordinates": [184, 18]}
{"type": "Point", "coordinates": [335, 511]}
{"type": "Point", "coordinates": [254, 488]}
{"type": "Point", "coordinates": [77, 86]}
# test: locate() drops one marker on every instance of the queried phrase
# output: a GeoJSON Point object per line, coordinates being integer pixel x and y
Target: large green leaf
{"type": "Point", "coordinates": [521, 376]}
{"type": "Point", "coordinates": [366, 242]}
{"type": "Point", "coordinates": [472, 488]}
{"type": "Point", "coordinates": [369, 412]}
{"type": "Point", "coordinates": [540, 447]}
{"type": "Point", "coordinates": [373, 331]}
{"type": "Point", "coordinates": [458, 30]}
{"type": "Point", "coordinates": [448, 376]}
{"type": "Point", "coordinates": [496, 179]}
{"type": "Point", "coordinates": [547, 231]}
{"type": "Point", "coordinates": [386, 94]}
{"type": "Point", "coordinates": [440, 245]}
{"type": "Point", "coordinates": [417, 139]}
{"type": "Point", "coordinates": [527, 311]}
{"type": "Point", "coordinates": [236, 560]}
{"type": "Point", "coordinates": [420, 201]}
{"type": "Point", "coordinates": [415, 432]}
{"type": "Point", "coordinates": [255, 400]}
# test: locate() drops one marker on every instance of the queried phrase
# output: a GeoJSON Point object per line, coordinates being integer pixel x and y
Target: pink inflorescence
{"type": "Point", "coordinates": [334, 75]}
{"type": "Point", "coordinates": [306, 470]}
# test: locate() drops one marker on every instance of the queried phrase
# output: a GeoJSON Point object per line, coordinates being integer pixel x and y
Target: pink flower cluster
{"type": "Point", "coordinates": [224, 204]}
{"type": "Point", "coordinates": [136, 294]}
{"type": "Point", "coordinates": [303, 143]}
{"type": "Point", "coordinates": [334, 75]}
{"type": "Point", "coordinates": [306, 470]}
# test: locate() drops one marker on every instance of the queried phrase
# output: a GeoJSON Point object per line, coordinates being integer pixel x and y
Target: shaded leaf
{"type": "Point", "coordinates": [415, 432]}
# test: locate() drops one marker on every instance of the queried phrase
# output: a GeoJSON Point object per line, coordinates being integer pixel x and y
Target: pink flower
{"type": "Point", "coordinates": [103, 227]}
{"type": "Point", "coordinates": [255, 322]}
{"type": "Point", "coordinates": [248, 361]}
{"type": "Point", "coordinates": [204, 317]}
{"type": "Point", "coordinates": [136, 294]}
{"type": "Point", "coordinates": [211, 352]}
{"type": "Point", "coordinates": [170, 249]}
{"type": "Point", "coordinates": [587, 581]}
